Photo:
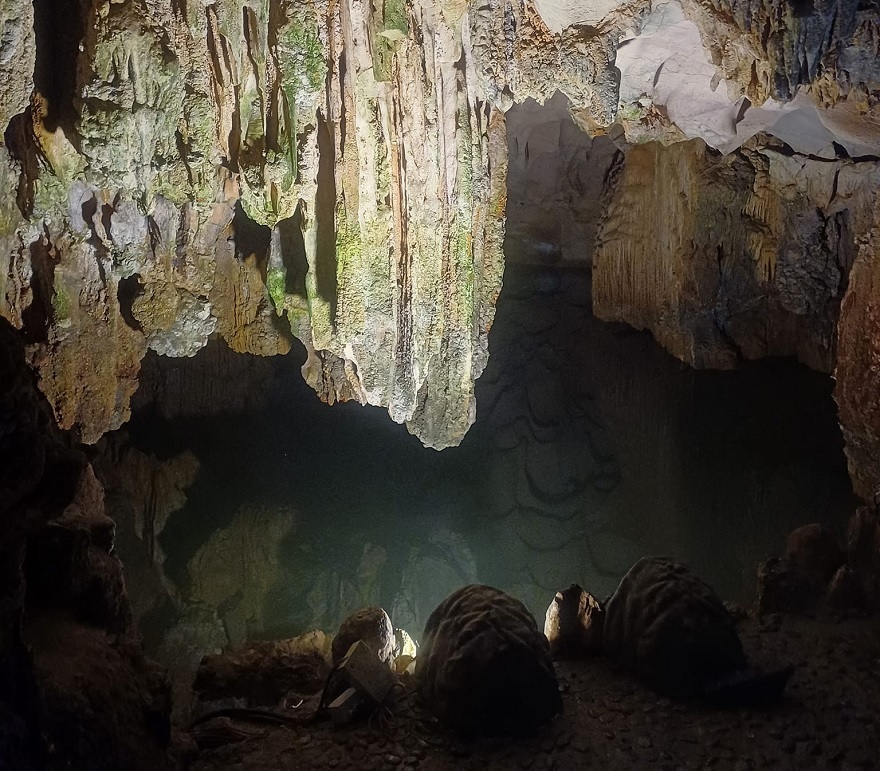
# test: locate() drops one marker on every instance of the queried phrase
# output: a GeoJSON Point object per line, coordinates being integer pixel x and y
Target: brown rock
{"type": "Point", "coordinates": [798, 582]}
{"type": "Point", "coordinates": [863, 549]}
{"type": "Point", "coordinates": [263, 673]}
{"type": "Point", "coordinates": [813, 551]}
{"type": "Point", "coordinates": [781, 588]}
{"type": "Point", "coordinates": [484, 667]}
{"type": "Point", "coordinates": [845, 590]}
{"type": "Point", "coordinates": [728, 258]}
{"type": "Point", "coordinates": [372, 626]}
{"type": "Point", "coordinates": [857, 376]}
{"type": "Point", "coordinates": [568, 624]}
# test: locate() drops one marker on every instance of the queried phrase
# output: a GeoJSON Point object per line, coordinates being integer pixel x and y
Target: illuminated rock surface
{"type": "Point", "coordinates": [188, 170]}
{"type": "Point", "coordinates": [185, 174]}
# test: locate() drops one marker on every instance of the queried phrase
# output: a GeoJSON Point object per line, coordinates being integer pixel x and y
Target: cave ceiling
{"type": "Point", "coordinates": [337, 172]}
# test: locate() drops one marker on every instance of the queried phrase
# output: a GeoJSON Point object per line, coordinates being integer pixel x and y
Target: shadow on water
{"type": "Point", "coordinates": [592, 447]}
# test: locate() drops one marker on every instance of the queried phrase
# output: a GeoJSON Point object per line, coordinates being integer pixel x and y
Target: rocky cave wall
{"type": "Point", "coordinates": [189, 170]}
{"type": "Point", "coordinates": [256, 169]}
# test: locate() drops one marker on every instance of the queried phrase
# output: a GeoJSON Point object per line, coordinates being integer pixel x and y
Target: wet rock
{"type": "Point", "coordinates": [776, 290]}
{"type": "Point", "coordinates": [264, 674]}
{"type": "Point", "coordinates": [373, 627]}
{"type": "Point", "coordinates": [484, 666]}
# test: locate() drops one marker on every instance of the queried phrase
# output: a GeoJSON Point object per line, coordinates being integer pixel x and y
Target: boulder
{"type": "Point", "coordinates": [373, 627]}
{"type": "Point", "coordinates": [813, 552]}
{"type": "Point", "coordinates": [799, 581]}
{"type": "Point", "coordinates": [782, 589]}
{"type": "Point", "coordinates": [484, 667]}
{"type": "Point", "coordinates": [264, 673]}
{"type": "Point", "coordinates": [568, 624]}
{"type": "Point", "coordinates": [844, 591]}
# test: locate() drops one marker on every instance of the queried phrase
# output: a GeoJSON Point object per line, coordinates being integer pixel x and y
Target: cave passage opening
{"type": "Point", "coordinates": [247, 509]}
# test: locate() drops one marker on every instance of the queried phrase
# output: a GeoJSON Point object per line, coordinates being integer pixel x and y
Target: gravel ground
{"type": "Point", "coordinates": [830, 718]}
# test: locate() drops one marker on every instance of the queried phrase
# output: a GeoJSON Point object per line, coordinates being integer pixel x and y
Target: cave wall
{"type": "Point", "coordinates": [252, 169]}
{"type": "Point", "coordinates": [725, 258]}
{"type": "Point", "coordinates": [65, 617]}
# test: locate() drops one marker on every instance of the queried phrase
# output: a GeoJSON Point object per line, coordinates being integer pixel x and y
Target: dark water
{"type": "Point", "coordinates": [592, 448]}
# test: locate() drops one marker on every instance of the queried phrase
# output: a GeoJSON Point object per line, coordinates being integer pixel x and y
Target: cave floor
{"type": "Point", "coordinates": [829, 718]}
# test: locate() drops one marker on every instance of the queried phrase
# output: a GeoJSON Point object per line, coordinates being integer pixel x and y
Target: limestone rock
{"type": "Point", "coordinates": [767, 49]}
{"type": "Point", "coordinates": [845, 591]}
{"type": "Point", "coordinates": [373, 627]}
{"type": "Point", "coordinates": [858, 362]}
{"type": "Point", "coordinates": [554, 178]}
{"type": "Point", "coordinates": [352, 130]}
{"type": "Point", "coordinates": [728, 258]}
{"type": "Point", "coordinates": [863, 550]}
{"type": "Point", "coordinates": [484, 667]}
{"type": "Point", "coordinates": [70, 563]}
{"type": "Point", "coordinates": [17, 56]}
{"type": "Point", "coordinates": [195, 632]}
{"type": "Point", "coordinates": [434, 568]}
{"type": "Point", "coordinates": [675, 69]}
{"type": "Point", "coordinates": [814, 552]}
{"type": "Point", "coordinates": [568, 624]}
{"type": "Point", "coordinates": [217, 381]}
{"type": "Point", "coordinates": [666, 624]}
{"type": "Point", "coordinates": [263, 674]}
{"type": "Point", "coordinates": [238, 566]}
{"type": "Point", "coordinates": [141, 493]}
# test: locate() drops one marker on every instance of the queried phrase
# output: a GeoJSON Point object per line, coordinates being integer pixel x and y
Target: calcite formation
{"type": "Point", "coordinates": [732, 257]}
{"type": "Point", "coordinates": [360, 135]}
{"type": "Point", "coordinates": [190, 170]}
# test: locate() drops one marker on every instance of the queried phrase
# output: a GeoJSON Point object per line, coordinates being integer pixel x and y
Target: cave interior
{"type": "Point", "coordinates": [313, 308]}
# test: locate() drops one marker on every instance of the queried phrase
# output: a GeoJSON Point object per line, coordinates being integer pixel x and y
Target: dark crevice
{"type": "Point", "coordinates": [293, 254]}
{"type": "Point", "coordinates": [38, 314]}
{"type": "Point", "coordinates": [22, 145]}
{"type": "Point", "coordinates": [126, 293]}
{"type": "Point", "coordinates": [325, 208]}
{"type": "Point", "coordinates": [58, 30]}
{"type": "Point", "coordinates": [250, 237]}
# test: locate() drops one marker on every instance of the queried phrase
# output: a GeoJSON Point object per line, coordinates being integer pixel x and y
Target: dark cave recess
{"type": "Point", "coordinates": [592, 447]}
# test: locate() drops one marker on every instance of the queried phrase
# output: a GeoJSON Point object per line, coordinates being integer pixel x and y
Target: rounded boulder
{"type": "Point", "coordinates": [484, 667]}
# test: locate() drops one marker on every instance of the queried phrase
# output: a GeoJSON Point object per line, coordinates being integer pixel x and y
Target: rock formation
{"type": "Point", "coordinates": [484, 667]}
{"type": "Point", "coordinates": [183, 171]}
